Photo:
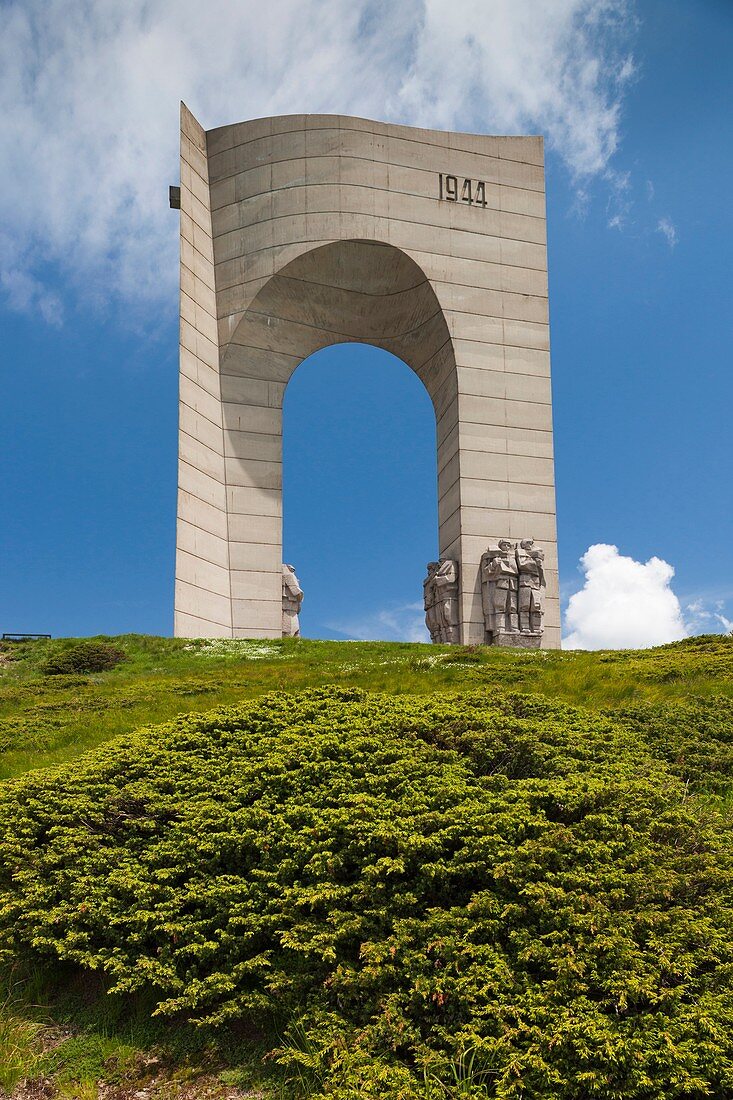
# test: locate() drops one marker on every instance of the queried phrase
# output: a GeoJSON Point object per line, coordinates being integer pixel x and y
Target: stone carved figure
{"type": "Point", "coordinates": [512, 580]}
{"type": "Point", "coordinates": [531, 582]}
{"type": "Point", "coordinates": [292, 599]}
{"type": "Point", "coordinates": [446, 583]}
{"type": "Point", "coordinates": [440, 592]}
{"type": "Point", "coordinates": [499, 584]}
{"type": "Point", "coordinates": [430, 601]}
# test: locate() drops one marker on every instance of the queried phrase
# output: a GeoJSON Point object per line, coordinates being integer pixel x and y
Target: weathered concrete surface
{"type": "Point", "coordinates": [303, 231]}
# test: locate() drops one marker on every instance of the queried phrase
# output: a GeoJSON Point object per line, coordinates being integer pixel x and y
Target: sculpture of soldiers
{"type": "Point", "coordinates": [499, 583]}
{"type": "Point", "coordinates": [531, 583]}
{"type": "Point", "coordinates": [446, 585]}
{"type": "Point", "coordinates": [292, 599]}
{"type": "Point", "coordinates": [430, 601]}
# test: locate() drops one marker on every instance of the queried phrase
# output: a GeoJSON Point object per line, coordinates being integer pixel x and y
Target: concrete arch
{"type": "Point", "coordinates": [304, 231]}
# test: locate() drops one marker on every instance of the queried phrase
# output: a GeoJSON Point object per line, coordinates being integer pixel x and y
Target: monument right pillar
{"type": "Point", "coordinates": [506, 469]}
{"type": "Point", "coordinates": [498, 433]}
{"type": "Point", "coordinates": [504, 434]}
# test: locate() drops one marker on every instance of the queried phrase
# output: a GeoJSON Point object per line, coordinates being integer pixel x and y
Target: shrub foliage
{"type": "Point", "coordinates": [87, 656]}
{"type": "Point", "coordinates": [489, 893]}
{"type": "Point", "coordinates": [695, 738]}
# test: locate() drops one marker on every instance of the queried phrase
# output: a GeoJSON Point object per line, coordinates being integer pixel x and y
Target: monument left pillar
{"type": "Point", "coordinates": [203, 606]}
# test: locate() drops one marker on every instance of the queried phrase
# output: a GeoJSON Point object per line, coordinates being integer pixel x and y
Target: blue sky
{"type": "Point", "coordinates": [640, 230]}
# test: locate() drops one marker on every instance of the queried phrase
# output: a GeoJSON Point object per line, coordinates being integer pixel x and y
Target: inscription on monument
{"type": "Point", "coordinates": [461, 189]}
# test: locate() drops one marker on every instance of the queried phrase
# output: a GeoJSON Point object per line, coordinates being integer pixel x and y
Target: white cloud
{"type": "Point", "coordinates": [624, 604]}
{"type": "Point", "coordinates": [698, 618]}
{"type": "Point", "coordinates": [705, 614]}
{"type": "Point", "coordinates": [522, 65]}
{"type": "Point", "coordinates": [27, 294]}
{"type": "Point", "coordinates": [696, 612]}
{"type": "Point", "coordinates": [619, 202]}
{"type": "Point", "coordinates": [402, 623]}
{"type": "Point", "coordinates": [668, 230]}
{"type": "Point", "coordinates": [89, 93]}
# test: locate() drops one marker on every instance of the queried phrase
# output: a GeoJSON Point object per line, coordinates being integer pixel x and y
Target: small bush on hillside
{"type": "Point", "coordinates": [88, 656]}
{"type": "Point", "coordinates": [468, 654]}
{"type": "Point", "coordinates": [481, 895]}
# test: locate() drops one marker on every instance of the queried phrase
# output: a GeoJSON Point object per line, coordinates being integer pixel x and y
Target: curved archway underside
{"type": "Point", "coordinates": [266, 282]}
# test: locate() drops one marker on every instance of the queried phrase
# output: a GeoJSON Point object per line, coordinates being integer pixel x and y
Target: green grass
{"type": "Point", "coordinates": [60, 1022]}
{"type": "Point", "coordinates": [46, 720]}
{"type": "Point", "coordinates": [19, 1033]}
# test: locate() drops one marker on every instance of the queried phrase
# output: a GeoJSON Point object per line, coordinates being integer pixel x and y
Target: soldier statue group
{"type": "Point", "coordinates": [512, 580]}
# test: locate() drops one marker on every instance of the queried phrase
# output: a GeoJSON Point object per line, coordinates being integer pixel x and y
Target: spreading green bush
{"type": "Point", "coordinates": [480, 895]}
{"type": "Point", "coordinates": [88, 656]}
{"type": "Point", "coordinates": [695, 738]}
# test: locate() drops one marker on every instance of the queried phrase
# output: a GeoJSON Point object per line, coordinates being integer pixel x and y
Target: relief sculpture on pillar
{"type": "Point", "coordinates": [292, 599]}
{"type": "Point", "coordinates": [440, 599]}
{"type": "Point", "coordinates": [512, 583]}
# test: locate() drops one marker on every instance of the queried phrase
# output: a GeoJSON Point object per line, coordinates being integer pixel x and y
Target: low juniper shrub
{"type": "Point", "coordinates": [87, 656]}
{"type": "Point", "coordinates": [482, 894]}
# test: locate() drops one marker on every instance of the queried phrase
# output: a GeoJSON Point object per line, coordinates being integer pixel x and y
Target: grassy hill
{"type": "Point", "coordinates": [412, 871]}
{"type": "Point", "coordinates": [49, 719]}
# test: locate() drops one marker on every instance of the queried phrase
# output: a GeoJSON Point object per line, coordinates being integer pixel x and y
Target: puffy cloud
{"type": "Point", "coordinates": [624, 604]}
{"type": "Point", "coordinates": [89, 93]}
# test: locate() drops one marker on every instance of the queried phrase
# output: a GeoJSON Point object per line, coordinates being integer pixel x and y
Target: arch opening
{"type": "Point", "coordinates": [347, 292]}
{"type": "Point", "coordinates": [359, 493]}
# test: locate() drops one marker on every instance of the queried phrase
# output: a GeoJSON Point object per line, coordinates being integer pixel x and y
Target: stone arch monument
{"type": "Point", "coordinates": [302, 231]}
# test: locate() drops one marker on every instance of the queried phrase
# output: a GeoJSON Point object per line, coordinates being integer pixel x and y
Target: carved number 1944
{"type": "Point", "coordinates": [454, 189]}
